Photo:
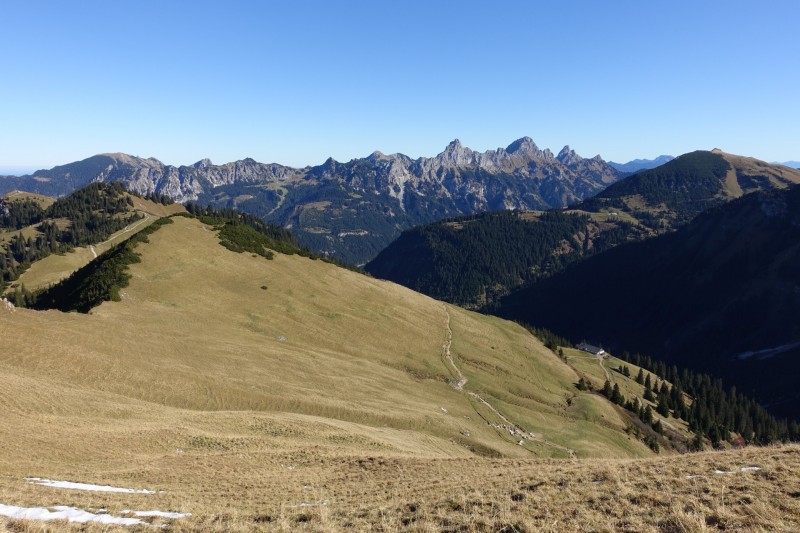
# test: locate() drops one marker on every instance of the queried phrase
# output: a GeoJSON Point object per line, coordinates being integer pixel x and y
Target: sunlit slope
{"type": "Point", "coordinates": [196, 331]}
{"type": "Point", "coordinates": [56, 267]}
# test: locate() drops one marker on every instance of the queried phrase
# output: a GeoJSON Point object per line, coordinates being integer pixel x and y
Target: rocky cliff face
{"type": "Point", "coordinates": [353, 209]}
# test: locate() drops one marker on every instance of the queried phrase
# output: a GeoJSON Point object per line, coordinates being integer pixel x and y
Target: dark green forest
{"type": "Point", "coordinates": [687, 186]}
{"type": "Point", "coordinates": [474, 260]}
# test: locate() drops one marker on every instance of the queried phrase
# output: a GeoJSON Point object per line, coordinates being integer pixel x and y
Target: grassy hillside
{"type": "Point", "coordinates": [293, 394]}
{"type": "Point", "coordinates": [43, 240]}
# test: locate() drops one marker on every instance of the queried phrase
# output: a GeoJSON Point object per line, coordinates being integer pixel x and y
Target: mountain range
{"type": "Point", "coordinates": [473, 260]}
{"type": "Point", "coordinates": [641, 164]}
{"type": "Point", "coordinates": [352, 210]}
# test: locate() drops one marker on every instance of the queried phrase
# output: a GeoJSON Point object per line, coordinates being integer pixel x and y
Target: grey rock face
{"type": "Point", "coordinates": [333, 198]}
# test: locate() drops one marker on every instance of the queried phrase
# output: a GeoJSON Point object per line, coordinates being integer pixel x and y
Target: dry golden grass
{"type": "Point", "coordinates": [326, 402]}
{"type": "Point", "coordinates": [54, 268]}
{"type": "Point", "coordinates": [311, 489]}
{"type": "Point", "coordinates": [738, 182]}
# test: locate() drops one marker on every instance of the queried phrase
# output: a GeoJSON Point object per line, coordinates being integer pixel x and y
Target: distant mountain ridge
{"type": "Point", "coordinates": [352, 210]}
{"type": "Point", "coordinates": [641, 164]}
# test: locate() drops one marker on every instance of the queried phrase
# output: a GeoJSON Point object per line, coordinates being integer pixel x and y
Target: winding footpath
{"type": "Point", "coordinates": [509, 426]}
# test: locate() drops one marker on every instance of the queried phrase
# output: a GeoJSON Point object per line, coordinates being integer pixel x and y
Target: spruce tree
{"type": "Point", "coordinates": [616, 396]}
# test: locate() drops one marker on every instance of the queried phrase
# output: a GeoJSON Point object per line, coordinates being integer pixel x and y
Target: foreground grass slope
{"type": "Point", "coordinates": [219, 371]}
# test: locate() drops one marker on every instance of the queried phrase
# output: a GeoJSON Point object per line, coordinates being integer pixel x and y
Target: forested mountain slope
{"type": "Point", "coordinates": [721, 294]}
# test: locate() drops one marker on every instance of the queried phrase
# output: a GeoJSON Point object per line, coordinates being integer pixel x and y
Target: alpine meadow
{"type": "Point", "coordinates": [391, 267]}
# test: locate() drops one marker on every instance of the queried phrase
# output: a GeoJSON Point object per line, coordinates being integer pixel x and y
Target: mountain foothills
{"type": "Point", "coordinates": [472, 261]}
{"type": "Point", "coordinates": [722, 294]}
{"type": "Point", "coordinates": [351, 210]}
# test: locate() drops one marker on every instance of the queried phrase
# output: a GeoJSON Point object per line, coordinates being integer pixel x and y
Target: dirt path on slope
{"type": "Point", "coordinates": [600, 362]}
{"type": "Point", "coordinates": [126, 229]}
{"type": "Point", "coordinates": [449, 357]}
{"type": "Point", "coordinates": [508, 425]}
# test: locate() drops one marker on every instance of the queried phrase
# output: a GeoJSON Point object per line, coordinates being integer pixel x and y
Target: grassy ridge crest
{"type": "Point", "coordinates": [100, 280]}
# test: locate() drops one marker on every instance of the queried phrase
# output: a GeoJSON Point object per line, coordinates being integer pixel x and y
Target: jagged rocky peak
{"type": "Point", "coordinates": [523, 145]}
{"type": "Point", "coordinates": [203, 163]}
{"type": "Point", "coordinates": [456, 154]}
{"type": "Point", "coordinates": [454, 147]}
{"type": "Point", "coordinates": [568, 156]}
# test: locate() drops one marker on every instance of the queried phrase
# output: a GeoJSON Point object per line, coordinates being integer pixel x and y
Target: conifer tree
{"type": "Point", "coordinates": [616, 395]}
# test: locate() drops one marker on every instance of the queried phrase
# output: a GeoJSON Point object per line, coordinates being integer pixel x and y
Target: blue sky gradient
{"type": "Point", "coordinates": [297, 82]}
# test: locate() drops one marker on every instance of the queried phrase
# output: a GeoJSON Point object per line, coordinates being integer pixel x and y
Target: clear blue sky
{"type": "Point", "coordinates": [296, 82]}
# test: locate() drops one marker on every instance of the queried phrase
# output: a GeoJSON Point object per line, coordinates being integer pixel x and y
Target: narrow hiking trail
{"type": "Point", "coordinates": [126, 229]}
{"type": "Point", "coordinates": [94, 252]}
{"type": "Point", "coordinates": [508, 425]}
{"type": "Point", "coordinates": [447, 355]}
{"type": "Point", "coordinates": [600, 362]}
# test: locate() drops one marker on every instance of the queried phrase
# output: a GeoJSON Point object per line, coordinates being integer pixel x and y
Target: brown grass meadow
{"type": "Point", "coordinates": [294, 395]}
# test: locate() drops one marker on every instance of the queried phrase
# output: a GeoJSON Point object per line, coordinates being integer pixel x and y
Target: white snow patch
{"type": "Point", "coordinates": [750, 468]}
{"type": "Point", "coordinates": [720, 472]}
{"type": "Point", "coordinates": [768, 352]}
{"type": "Point", "coordinates": [62, 512]}
{"type": "Point", "coordinates": [160, 514]}
{"type": "Point", "coordinates": [84, 486]}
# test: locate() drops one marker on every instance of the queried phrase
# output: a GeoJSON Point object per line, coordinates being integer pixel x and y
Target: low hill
{"type": "Point", "coordinates": [719, 295]}
{"type": "Point", "coordinates": [43, 240]}
{"type": "Point", "coordinates": [671, 195]}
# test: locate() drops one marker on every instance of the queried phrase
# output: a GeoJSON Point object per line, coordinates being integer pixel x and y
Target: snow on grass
{"type": "Point", "coordinates": [726, 472]}
{"type": "Point", "coordinates": [160, 514]}
{"type": "Point", "coordinates": [84, 486]}
{"type": "Point", "coordinates": [62, 512]}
